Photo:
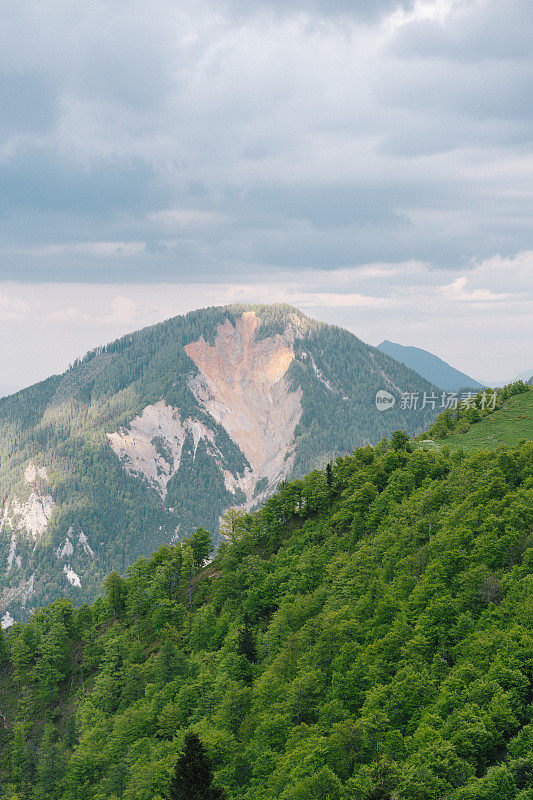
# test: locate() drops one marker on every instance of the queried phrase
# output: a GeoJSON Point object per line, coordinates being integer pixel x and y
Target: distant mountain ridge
{"type": "Point", "coordinates": [430, 367]}
{"type": "Point", "coordinates": [162, 430]}
{"type": "Point", "coordinates": [526, 376]}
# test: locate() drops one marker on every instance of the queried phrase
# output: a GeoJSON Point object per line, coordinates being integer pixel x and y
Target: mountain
{"type": "Point", "coordinates": [364, 637]}
{"type": "Point", "coordinates": [431, 367]}
{"type": "Point", "coordinates": [524, 376]}
{"type": "Point", "coordinates": [159, 432]}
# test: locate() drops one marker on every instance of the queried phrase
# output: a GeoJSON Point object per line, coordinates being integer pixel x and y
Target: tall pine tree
{"type": "Point", "coordinates": [193, 776]}
{"type": "Point", "coordinates": [246, 643]}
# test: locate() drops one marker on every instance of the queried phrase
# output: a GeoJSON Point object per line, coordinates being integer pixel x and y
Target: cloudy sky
{"type": "Point", "coordinates": [367, 160]}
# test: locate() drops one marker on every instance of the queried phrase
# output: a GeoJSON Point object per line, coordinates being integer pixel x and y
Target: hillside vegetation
{"type": "Point", "coordinates": [366, 635]}
{"type": "Point", "coordinates": [513, 421]}
{"type": "Point", "coordinates": [480, 425]}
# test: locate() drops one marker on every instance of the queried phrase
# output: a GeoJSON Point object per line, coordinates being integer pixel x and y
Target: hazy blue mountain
{"type": "Point", "coordinates": [145, 439]}
{"type": "Point", "coordinates": [431, 367]}
{"type": "Point", "coordinates": [524, 376]}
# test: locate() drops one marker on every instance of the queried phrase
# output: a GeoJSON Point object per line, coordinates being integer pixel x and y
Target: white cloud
{"type": "Point", "coordinates": [173, 218]}
{"type": "Point", "coordinates": [123, 311]}
{"type": "Point", "coordinates": [458, 291]}
{"type": "Point", "coordinates": [480, 321]}
{"type": "Point", "coordinates": [12, 307]}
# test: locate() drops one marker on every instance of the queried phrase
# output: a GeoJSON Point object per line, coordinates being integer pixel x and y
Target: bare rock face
{"type": "Point", "coordinates": [152, 445]}
{"type": "Point", "coordinates": [24, 520]}
{"type": "Point", "coordinates": [140, 447]}
{"type": "Point", "coordinates": [22, 594]}
{"type": "Point", "coordinates": [26, 514]}
{"type": "Point", "coordinates": [242, 384]}
{"type": "Point", "coordinates": [32, 473]}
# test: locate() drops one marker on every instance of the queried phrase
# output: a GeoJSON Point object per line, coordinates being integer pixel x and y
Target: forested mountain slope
{"type": "Point", "coordinates": [366, 635]}
{"type": "Point", "coordinates": [161, 431]}
{"type": "Point", "coordinates": [430, 366]}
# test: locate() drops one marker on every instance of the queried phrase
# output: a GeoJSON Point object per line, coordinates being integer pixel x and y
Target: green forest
{"type": "Point", "coordinates": [365, 635]}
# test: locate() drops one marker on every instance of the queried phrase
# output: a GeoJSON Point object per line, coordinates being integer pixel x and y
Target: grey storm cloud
{"type": "Point", "coordinates": [43, 181]}
{"type": "Point", "coordinates": [221, 137]}
{"type": "Point", "coordinates": [486, 47]}
{"type": "Point", "coordinates": [475, 32]}
{"type": "Point", "coordinates": [28, 104]}
{"type": "Point", "coordinates": [360, 9]}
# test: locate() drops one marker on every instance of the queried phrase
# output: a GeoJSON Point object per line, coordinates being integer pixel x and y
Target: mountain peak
{"type": "Point", "coordinates": [429, 366]}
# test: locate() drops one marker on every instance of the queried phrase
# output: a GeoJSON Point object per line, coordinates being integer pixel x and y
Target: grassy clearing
{"type": "Point", "coordinates": [506, 426]}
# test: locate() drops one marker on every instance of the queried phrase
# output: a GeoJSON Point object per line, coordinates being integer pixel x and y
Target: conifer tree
{"type": "Point", "coordinates": [20, 758]}
{"type": "Point", "coordinates": [246, 644]}
{"type": "Point", "coordinates": [187, 570]}
{"type": "Point", "coordinates": [399, 440]}
{"type": "Point", "coordinates": [193, 776]}
{"type": "Point", "coordinates": [166, 663]}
